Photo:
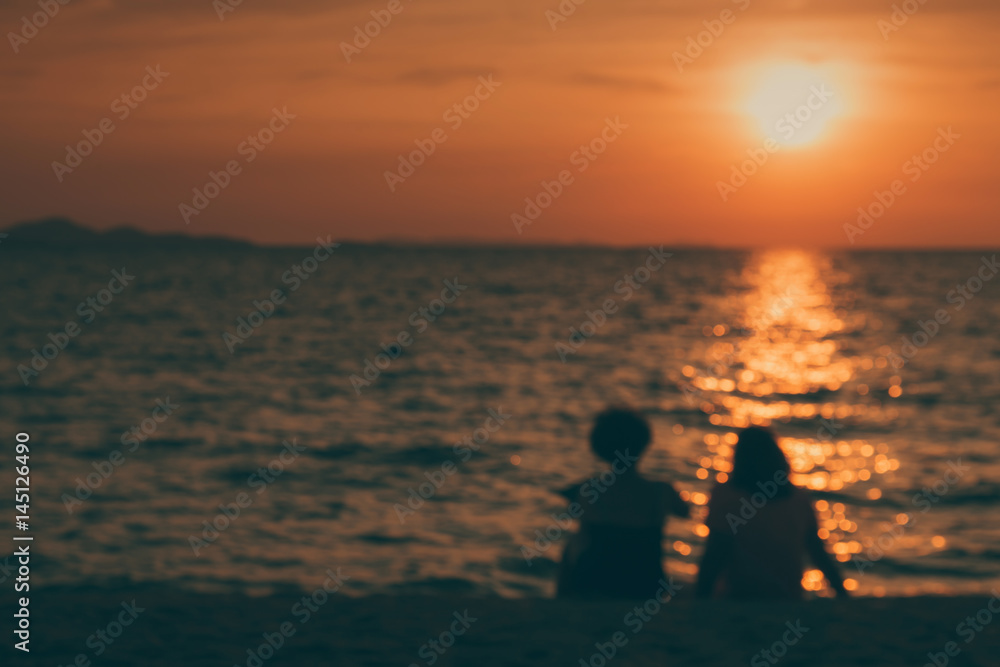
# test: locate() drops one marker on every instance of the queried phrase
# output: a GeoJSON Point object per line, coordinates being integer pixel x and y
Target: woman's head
{"type": "Point", "coordinates": [618, 429]}
{"type": "Point", "coordinates": [759, 464]}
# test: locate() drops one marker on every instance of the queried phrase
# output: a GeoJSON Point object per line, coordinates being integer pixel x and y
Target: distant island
{"type": "Point", "coordinates": [64, 232]}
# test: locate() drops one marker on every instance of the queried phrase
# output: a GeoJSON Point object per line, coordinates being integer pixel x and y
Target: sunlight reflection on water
{"type": "Point", "coordinates": [780, 365]}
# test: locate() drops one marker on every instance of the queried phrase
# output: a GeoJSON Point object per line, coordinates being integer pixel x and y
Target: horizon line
{"type": "Point", "coordinates": [460, 242]}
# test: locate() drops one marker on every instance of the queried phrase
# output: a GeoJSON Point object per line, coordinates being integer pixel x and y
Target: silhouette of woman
{"type": "Point", "coordinates": [762, 528]}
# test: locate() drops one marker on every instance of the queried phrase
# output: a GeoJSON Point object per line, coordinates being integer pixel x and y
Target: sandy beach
{"type": "Point", "coordinates": [169, 626]}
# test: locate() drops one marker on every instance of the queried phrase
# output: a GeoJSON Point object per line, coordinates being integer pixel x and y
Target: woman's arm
{"type": "Point", "coordinates": [816, 549]}
{"type": "Point", "coordinates": [719, 546]}
{"type": "Point", "coordinates": [718, 551]}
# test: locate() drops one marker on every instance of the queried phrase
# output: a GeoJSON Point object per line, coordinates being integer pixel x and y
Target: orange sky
{"type": "Point", "coordinates": [325, 173]}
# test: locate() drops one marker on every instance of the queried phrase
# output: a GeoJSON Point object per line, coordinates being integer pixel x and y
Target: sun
{"type": "Point", "coordinates": [794, 103]}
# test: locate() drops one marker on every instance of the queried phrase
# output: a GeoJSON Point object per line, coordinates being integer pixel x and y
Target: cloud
{"type": "Point", "coordinates": [438, 76]}
{"type": "Point", "coordinates": [619, 82]}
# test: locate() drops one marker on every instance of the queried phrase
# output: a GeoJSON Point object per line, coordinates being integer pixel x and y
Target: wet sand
{"type": "Point", "coordinates": [172, 626]}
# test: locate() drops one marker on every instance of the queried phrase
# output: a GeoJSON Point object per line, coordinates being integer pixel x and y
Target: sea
{"type": "Point", "coordinates": [247, 419]}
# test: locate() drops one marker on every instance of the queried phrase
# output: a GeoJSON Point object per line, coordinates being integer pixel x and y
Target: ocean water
{"type": "Point", "coordinates": [898, 444]}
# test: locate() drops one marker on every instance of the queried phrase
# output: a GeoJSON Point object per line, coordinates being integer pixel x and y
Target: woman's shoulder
{"type": "Point", "coordinates": [804, 500]}
{"type": "Point", "coordinates": [800, 495]}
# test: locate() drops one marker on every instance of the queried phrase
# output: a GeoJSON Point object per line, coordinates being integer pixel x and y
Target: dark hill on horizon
{"type": "Point", "coordinates": [65, 232]}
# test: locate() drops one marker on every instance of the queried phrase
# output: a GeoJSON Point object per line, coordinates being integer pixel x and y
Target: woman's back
{"type": "Point", "coordinates": [768, 542]}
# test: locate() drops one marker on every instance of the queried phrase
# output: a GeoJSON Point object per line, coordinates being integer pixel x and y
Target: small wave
{"type": "Point", "coordinates": [375, 538]}
{"type": "Point", "coordinates": [980, 494]}
{"type": "Point", "coordinates": [893, 567]}
{"type": "Point", "coordinates": [346, 451]}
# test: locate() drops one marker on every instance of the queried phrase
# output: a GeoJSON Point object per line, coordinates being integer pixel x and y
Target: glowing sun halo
{"type": "Point", "coordinates": [794, 104]}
